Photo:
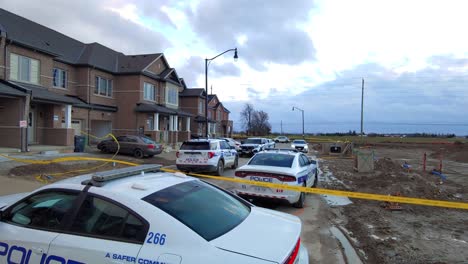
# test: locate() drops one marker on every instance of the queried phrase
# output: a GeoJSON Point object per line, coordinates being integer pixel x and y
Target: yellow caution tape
{"type": "Point", "coordinates": [358, 195]}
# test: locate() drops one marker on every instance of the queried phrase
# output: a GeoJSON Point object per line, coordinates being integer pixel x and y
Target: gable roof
{"type": "Point", "coordinates": [193, 92]}
{"type": "Point", "coordinates": [24, 32]}
{"type": "Point", "coordinates": [211, 97]}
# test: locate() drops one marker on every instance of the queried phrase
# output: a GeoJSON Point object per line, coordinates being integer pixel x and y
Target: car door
{"type": "Point", "coordinates": [29, 226]}
{"type": "Point", "coordinates": [132, 143]}
{"type": "Point", "coordinates": [102, 231]}
{"type": "Point", "coordinates": [303, 174]}
{"type": "Point", "coordinates": [228, 155]}
{"type": "Point", "coordinates": [308, 169]}
{"type": "Point", "coordinates": [113, 145]}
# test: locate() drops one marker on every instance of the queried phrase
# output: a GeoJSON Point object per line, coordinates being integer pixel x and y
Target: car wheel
{"type": "Point", "coordinates": [301, 201]}
{"type": "Point", "coordinates": [236, 163]}
{"type": "Point", "coordinates": [316, 179]}
{"type": "Point", "coordinates": [138, 153]}
{"type": "Point", "coordinates": [220, 168]}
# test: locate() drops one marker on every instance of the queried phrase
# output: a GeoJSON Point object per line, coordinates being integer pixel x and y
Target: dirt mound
{"type": "Point", "coordinates": [388, 165]}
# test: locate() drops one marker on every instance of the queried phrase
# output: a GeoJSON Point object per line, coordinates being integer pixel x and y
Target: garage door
{"type": "Point", "coordinates": [100, 129]}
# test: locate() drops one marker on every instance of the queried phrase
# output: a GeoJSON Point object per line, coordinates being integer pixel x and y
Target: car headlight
{"type": "Point", "coordinates": [292, 146]}
{"type": "Point", "coordinates": [306, 146]}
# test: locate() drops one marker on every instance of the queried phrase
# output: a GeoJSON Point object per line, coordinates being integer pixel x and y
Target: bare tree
{"type": "Point", "coordinates": [246, 117]}
{"type": "Point", "coordinates": [260, 124]}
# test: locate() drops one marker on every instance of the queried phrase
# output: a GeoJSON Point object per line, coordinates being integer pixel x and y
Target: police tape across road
{"type": "Point", "coordinates": [357, 195]}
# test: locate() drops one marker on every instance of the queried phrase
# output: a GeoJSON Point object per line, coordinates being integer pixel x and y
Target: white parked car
{"type": "Point", "coordinates": [233, 143]}
{"type": "Point", "coordinates": [142, 215]}
{"type": "Point", "coordinates": [300, 145]}
{"type": "Point", "coordinates": [206, 155]}
{"type": "Point", "coordinates": [253, 145]}
{"type": "Point", "coordinates": [281, 139]}
{"type": "Point", "coordinates": [278, 166]}
{"type": "Point", "coordinates": [270, 143]}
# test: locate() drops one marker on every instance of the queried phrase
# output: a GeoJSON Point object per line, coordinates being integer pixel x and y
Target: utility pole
{"type": "Point", "coordinates": [281, 127]}
{"type": "Point", "coordinates": [211, 89]}
{"type": "Point", "coordinates": [362, 109]}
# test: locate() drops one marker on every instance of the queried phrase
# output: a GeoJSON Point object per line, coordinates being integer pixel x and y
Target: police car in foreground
{"type": "Point", "coordinates": [282, 166]}
{"type": "Point", "coordinates": [206, 155]}
{"type": "Point", "coordinates": [145, 216]}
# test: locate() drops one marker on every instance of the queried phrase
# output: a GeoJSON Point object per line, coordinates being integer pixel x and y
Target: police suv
{"type": "Point", "coordinates": [206, 155]}
{"type": "Point", "coordinates": [145, 216]}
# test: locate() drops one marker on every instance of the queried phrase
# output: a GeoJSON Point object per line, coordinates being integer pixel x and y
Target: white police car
{"type": "Point", "coordinates": [206, 155]}
{"type": "Point", "coordinates": [141, 215]}
{"type": "Point", "coordinates": [282, 166]}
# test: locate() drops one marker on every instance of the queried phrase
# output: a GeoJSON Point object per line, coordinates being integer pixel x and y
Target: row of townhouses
{"type": "Point", "coordinates": [53, 87]}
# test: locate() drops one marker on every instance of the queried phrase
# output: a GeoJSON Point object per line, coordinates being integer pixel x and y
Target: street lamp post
{"type": "Point", "coordinates": [303, 135]}
{"type": "Point", "coordinates": [207, 62]}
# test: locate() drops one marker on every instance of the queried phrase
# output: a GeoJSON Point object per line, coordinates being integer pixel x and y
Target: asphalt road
{"type": "Point", "coordinates": [323, 247]}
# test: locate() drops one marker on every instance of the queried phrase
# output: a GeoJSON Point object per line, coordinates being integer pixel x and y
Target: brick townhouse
{"type": "Point", "coordinates": [61, 87]}
{"type": "Point", "coordinates": [193, 101]}
{"type": "Point", "coordinates": [216, 111]}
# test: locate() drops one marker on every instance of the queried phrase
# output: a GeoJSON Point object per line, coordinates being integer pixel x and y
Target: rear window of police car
{"type": "Point", "coordinates": [272, 159]}
{"type": "Point", "coordinates": [204, 145]}
{"type": "Point", "coordinates": [208, 211]}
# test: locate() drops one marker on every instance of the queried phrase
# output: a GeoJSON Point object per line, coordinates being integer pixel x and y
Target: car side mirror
{"type": "Point", "coordinates": [2, 210]}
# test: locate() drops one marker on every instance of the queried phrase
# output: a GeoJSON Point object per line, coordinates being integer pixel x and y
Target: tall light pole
{"type": "Point", "coordinates": [207, 62]}
{"type": "Point", "coordinates": [303, 135]}
{"type": "Point", "coordinates": [362, 109]}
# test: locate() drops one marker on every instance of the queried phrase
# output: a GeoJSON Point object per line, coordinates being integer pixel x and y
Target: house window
{"type": "Point", "coordinates": [60, 78]}
{"type": "Point", "coordinates": [209, 114]}
{"type": "Point", "coordinates": [103, 87]}
{"type": "Point", "coordinates": [172, 94]}
{"type": "Point", "coordinates": [219, 116]}
{"type": "Point", "coordinates": [24, 69]}
{"type": "Point", "coordinates": [200, 107]}
{"type": "Point", "coordinates": [149, 92]}
{"type": "Point", "coordinates": [150, 122]}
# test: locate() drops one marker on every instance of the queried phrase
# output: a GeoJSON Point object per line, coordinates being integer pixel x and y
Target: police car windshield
{"type": "Point", "coordinates": [272, 159]}
{"type": "Point", "coordinates": [253, 141]}
{"type": "Point", "coordinates": [208, 211]}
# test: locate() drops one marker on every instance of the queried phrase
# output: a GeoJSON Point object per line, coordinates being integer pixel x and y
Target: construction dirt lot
{"type": "Point", "coordinates": [414, 234]}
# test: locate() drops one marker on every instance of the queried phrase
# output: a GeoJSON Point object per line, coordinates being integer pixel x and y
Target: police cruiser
{"type": "Point", "coordinates": [206, 155]}
{"type": "Point", "coordinates": [145, 216]}
{"type": "Point", "coordinates": [281, 166]}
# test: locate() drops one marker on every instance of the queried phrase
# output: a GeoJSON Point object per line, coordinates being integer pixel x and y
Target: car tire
{"type": "Point", "coordinates": [315, 179]}
{"type": "Point", "coordinates": [138, 153]}
{"type": "Point", "coordinates": [150, 156]}
{"type": "Point", "coordinates": [236, 163]}
{"type": "Point", "coordinates": [301, 201]}
{"type": "Point", "coordinates": [220, 168]}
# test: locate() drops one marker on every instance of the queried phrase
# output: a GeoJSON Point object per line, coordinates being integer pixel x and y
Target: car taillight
{"type": "Point", "coordinates": [211, 154]}
{"type": "Point", "coordinates": [240, 174]}
{"type": "Point", "coordinates": [151, 146]}
{"type": "Point", "coordinates": [177, 154]}
{"type": "Point", "coordinates": [292, 257]}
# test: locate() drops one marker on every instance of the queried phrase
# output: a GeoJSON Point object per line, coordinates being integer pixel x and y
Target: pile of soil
{"type": "Point", "coordinates": [416, 234]}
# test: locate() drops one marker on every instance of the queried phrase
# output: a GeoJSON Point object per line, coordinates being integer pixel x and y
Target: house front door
{"type": "Point", "coordinates": [32, 127]}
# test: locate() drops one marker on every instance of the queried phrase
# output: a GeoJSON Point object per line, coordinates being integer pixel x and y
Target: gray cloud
{"type": "Point", "coordinates": [193, 67]}
{"type": "Point", "coordinates": [90, 21]}
{"type": "Point", "coordinates": [226, 69]}
{"type": "Point", "coordinates": [271, 29]}
{"type": "Point", "coordinates": [410, 102]}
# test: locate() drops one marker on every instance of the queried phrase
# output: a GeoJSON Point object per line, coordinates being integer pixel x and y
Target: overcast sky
{"type": "Point", "coordinates": [313, 55]}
